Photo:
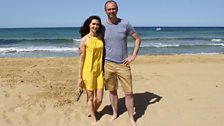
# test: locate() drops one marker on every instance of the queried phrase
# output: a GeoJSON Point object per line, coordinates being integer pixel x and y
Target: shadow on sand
{"type": "Point", "coordinates": [141, 102]}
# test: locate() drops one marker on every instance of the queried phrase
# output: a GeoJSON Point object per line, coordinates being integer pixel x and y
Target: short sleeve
{"type": "Point", "coordinates": [130, 28]}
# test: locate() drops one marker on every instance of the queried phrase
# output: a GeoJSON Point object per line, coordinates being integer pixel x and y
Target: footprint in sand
{"type": "Point", "coordinates": [68, 112]}
{"type": "Point", "coordinates": [27, 120]}
{"type": "Point", "coordinates": [6, 118]}
{"type": "Point", "coordinates": [6, 94]}
{"type": "Point", "coordinates": [138, 77]}
{"type": "Point", "coordinates": [18, 109]}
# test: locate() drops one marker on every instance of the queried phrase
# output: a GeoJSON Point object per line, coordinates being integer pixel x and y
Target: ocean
{"type": "Point", "coordinates": [64, 42]}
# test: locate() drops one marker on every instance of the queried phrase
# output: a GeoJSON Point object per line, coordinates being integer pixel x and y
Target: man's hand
{"type": "Point", "coordinates": [128, 60]}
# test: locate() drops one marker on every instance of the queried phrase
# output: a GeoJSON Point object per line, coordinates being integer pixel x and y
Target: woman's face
{"type": "Point", "coordinates": [94, 25]}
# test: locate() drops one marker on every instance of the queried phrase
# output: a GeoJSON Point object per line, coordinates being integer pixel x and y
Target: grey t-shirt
{"type": "Point", "coordinates": [115, 36]}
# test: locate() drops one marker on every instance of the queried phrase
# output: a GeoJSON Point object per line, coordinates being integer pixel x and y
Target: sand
{"type": "Point", "coordinates": [183, 90]}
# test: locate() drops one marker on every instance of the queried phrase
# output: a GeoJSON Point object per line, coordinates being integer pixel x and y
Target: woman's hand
{"type": "Point", "coordinates": [80, 82]}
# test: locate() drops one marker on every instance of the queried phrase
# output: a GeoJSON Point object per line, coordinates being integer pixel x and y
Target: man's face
{"type": "Point", "coordinates": [111, 9]}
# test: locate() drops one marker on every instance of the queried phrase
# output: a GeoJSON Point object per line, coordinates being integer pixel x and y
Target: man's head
{"type": "Point", "coordinates": [111, 8]}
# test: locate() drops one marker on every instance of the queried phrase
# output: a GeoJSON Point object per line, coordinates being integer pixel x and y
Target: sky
{"type": "Point", "coordinates": [72, 13]}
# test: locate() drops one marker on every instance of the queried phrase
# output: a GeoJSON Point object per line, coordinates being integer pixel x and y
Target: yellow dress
{"type": "Point", "coordinates": [93, 66]}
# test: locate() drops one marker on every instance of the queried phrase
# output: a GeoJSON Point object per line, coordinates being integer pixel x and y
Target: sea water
{"type": "Point", "coordinates": [64, 42]}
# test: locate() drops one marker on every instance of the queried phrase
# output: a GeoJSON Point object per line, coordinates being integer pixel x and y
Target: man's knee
{"type": "Point", "coordinates": [129, 94]}
{"type": "Point", "coordinates": [114, 92]}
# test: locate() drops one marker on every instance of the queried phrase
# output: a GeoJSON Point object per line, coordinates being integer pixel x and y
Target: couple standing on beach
{"type": "Point", "coordinates": [104, 60]}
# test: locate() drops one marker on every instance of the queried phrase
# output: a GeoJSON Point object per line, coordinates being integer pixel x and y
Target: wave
{"type": "Point", "coordinates": [216, 40]}
{"type": "Point", "coordinates": [160, 45]}
{"type": "Point", "coordinates": [71, 40]}
{"type": "Point", "coordinates": [217, 44]}
{"type": "Point", "coordinates": [37, 49]}
{"type": "Point", "coordinates": [53, 40]}
{"type": "Point", "coordinates": [77, 40]}
{"type": "Point", "coordinates": [182, 38]}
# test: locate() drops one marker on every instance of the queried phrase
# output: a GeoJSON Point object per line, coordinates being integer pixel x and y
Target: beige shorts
{"type": "Point", "coordinates": [115, 73]}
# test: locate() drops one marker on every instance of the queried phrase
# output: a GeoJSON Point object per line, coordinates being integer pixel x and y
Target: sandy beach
{"type": "Point", "coordinates": [181, 90]}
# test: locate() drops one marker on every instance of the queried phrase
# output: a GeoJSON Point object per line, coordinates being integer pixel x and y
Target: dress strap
{"type": "Point", "coordinates": [88, 35]}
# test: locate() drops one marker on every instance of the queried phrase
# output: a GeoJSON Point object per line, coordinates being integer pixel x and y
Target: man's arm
{"type": "Point", "coordinates": [137, 39]}
{"type": "Point", "coordinates": [137, 44]}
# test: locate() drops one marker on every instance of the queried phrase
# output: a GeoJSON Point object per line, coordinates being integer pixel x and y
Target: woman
{"type": "Point", "coordinates": [91, 63]}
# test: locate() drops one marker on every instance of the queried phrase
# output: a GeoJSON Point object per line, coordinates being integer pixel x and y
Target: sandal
{"type": "Point", "coordinates": [78, 93]}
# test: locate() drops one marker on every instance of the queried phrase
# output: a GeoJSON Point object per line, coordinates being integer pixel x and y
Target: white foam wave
{"type": "Point", "coordinates": [199, 54]}
{"type": "Point", "coordinates": [49, 49]}
{"type": "Point", "coordinates": [160, 45]}
{"type": "Point", "coordinates": [217, 44]}
{"type": "Point", "coordinates": [77, 40]}
{"type": "Point", "coordinates": [216, 40]}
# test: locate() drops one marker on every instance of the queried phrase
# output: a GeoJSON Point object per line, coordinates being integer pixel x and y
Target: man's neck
{"type": "Point", "coordinates": [112, 20]}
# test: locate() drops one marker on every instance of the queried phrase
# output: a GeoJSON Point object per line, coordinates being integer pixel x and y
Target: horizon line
{"type": "Point", "coordinates": [79, 26]}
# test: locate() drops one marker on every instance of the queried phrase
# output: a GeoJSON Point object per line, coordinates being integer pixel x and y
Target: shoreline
{"type": "Point", "coordinates": [200, 54]}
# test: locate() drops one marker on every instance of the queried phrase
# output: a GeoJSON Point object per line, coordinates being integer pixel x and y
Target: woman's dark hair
{"type": "Point", "coordinates": [84, 30]}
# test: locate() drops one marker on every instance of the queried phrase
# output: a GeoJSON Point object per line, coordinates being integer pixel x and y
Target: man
{"type": "Point", "coordinates": [117, 60]}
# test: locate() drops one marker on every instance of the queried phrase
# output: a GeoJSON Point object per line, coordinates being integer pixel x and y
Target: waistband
{"type": "Point", "coordinates": [113, 61]}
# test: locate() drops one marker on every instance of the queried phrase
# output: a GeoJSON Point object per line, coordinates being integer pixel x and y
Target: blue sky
{"type": "Point", "coordinates": [72, 13]}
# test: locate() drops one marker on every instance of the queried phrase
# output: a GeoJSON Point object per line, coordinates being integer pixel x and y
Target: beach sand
{"type": "Point", "coordinates": [183, 90]}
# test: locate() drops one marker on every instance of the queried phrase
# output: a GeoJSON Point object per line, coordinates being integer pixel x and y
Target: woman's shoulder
{"type": "Point", "coordinates": [84, 39]}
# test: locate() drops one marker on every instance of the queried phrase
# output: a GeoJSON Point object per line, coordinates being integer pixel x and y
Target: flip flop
{"type": "Point", "coordinates": [78, 93]}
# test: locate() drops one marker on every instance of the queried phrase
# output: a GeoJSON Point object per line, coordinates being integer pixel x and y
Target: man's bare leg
{"type": "Point", "coordinates": [114, 101]}
{"type": "Point", "coordinates": [129, 102]}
